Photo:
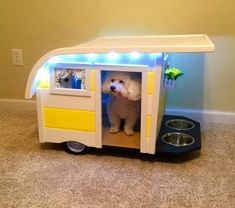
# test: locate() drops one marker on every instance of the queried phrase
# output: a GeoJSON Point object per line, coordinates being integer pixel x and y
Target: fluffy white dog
{"type": "Point", "coordinates": [124, 101]}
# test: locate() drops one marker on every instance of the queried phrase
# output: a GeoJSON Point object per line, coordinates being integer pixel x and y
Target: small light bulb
{"type": "Point", "coordinates": [42, 74]}
{"type": "Point", "coordinates": [154, 55]}
{"type": "Point", "coordinates": [135, 55]}
{"type": "Point", "coordinates": [112, 55]}
{"type": "Point", "coordinates": [54, 60]}
{"type": "Point", "coordinates": [91, 55]}
{"type": "Point", "coordinates": [72, 56]}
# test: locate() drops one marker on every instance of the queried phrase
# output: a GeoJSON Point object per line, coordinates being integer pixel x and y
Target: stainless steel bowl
{"type": "Point", "coordinates": [180, 124]}
{"type": "Point", "coordinates": [178, 139]}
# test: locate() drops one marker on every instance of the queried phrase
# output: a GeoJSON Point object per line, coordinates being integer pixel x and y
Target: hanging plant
{"type": "Point", "coordinates": [171, 74]}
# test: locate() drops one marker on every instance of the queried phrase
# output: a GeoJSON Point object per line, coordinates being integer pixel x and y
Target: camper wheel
{"type": "Point", "coordinates": [75, 147]}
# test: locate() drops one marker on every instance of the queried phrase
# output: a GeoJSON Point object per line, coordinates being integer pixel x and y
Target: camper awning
{"type": "Point", "coordinates": [126, 44]}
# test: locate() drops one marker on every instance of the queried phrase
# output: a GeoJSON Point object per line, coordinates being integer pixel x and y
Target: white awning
{"type": "Point", "coordinates": [128, 44]}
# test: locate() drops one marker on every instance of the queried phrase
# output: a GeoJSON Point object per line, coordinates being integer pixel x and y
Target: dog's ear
{"type": "Point", "coordinates": [134, 90]}
{"type": "Point", "coordinates": [105, 86]}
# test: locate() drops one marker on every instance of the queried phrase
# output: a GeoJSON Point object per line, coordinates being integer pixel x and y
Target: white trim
{"type": "Point", "coordinates": [148, 44]}
{"type": "Point", "coordinates": [144, 109]}
{"type": "Point", "coordinates": [39, 95]}
{"type": "Point", "coordinates": [125, 68]}
{"type": "Point", "coordinates": [97, 65]}
{"type": "Point", "coordinates": [64, 135]}
{"type": "Point", "coordinates": [68, 102]}
{"type": "Point", "coordinates": [154, 128]}
{"type": "Point", "coordinates": [98, 107]}
{"type": "Point", "coordinates": [18, 104]}
{"type": "Point", "coordinates": [204, 115]}
{"type": "Point", "coordinates": [70, 91]}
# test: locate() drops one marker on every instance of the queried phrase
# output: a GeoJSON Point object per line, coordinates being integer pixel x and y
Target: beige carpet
{"type": "Point", "coordinates": [35, 175]}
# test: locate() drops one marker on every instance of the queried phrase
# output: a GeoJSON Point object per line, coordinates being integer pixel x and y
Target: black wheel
{"type": "Point", "coordinates": [75, 148]}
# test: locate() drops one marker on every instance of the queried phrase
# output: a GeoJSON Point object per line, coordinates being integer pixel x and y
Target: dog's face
{"type": "Point", "coordinates": [122, 84]}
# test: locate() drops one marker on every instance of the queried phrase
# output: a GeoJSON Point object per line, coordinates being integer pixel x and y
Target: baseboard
{"type": "Point", "coordinates": [198, 115]}
{"type": "Point", "coordinates": [204, 115]}
{"type": "Point", "coordinates": [17, 104]}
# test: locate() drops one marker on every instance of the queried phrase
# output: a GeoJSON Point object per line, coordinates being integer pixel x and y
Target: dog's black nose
{"type": "Point", "coordinates": [112, 88]}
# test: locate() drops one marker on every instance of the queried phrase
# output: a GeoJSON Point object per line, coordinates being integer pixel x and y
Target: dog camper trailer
{"type": "Point", "coordinates": [70, 105]}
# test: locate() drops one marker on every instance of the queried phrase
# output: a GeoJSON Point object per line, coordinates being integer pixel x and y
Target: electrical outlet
{"type": "Point", "coordinates": [17, 58]}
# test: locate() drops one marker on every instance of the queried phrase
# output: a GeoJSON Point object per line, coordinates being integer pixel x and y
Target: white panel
{"type": "Point", "coordinates": [120, 67]}
{"type": "Point", "coordinates": [155, 105]}
{"type": "Point", "coordinates": [97, 79]}
{"type": "Point", "coordinates": [71, 102]}
{"type": "Point", "coordinates": [72, 92]}
{"type": "Point", "coordinates": [144, 106]}
{"type": "Point", "coordinates": [63, 135]}
{"type": "Point", "coordinates": [149, 44]}
{"type": "Point", "coordinates": [40, 115]}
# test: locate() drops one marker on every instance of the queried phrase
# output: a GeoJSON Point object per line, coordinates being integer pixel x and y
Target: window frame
{"type": "Point", "coordinates": [70, 91]}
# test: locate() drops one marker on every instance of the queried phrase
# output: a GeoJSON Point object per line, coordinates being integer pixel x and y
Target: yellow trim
{"type": "Point", "coordinates": [148, 125]}
{"type": "Point", "coordinates": [150, 82]}
{"type": "Point", "coordinates": [69, 119]}
{"type": "Point", "coordinates": [92, 80]}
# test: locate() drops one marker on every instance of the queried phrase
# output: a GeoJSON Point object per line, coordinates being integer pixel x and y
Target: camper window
{"type": "Point", "coordinates": [70, 79]}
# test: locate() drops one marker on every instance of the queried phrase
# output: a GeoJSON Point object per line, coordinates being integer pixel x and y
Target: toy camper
{"type": "Point", "coordinates": [71, 108]}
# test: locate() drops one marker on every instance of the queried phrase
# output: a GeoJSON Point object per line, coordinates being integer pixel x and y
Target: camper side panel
{"type": "Point", "coordinates": [64, 118]}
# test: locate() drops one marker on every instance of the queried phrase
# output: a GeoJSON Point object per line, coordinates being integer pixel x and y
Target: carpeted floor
{"type": "Point", "coordinates": [35, 175]}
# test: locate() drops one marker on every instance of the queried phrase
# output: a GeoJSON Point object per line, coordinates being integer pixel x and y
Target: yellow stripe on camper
{"type": "Point", "coordinates": [92, 80]}
{"type": "Point", "coordinates": [150, 82]}
{"type": "Point", "coordinates": [148, 125]}
{"type": "Point", "coordinates": [69, 119]}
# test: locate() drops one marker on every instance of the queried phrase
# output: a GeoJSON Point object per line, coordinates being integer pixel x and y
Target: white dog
{"type": "Point", "coordinates": [125, 94]}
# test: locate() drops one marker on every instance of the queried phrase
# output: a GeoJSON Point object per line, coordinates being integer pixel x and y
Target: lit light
{"type": "Point", "coordinates": [71, 56]}
{"type": "Point", "coordinates": [155, 55]}
{"type": "Point", "coordinates": [91, 55]}
{"type": "Point", "coordinates": [112, 55]}
{"type": "Point", "coordinates": [135, 55]}
{"type": "Point", "coordinates": [166, 57]}
{"type": "Point", "coordinates": [42, 74]}
{"type": "Point", "coordinates": [54, 60]}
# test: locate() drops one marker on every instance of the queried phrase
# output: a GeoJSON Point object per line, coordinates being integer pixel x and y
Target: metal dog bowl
{"type": "Point", "coordinates": [178, 139]}
{"type": "Point", "coordinates": [180, 124]}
